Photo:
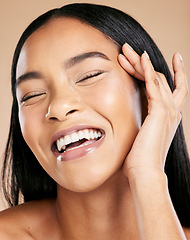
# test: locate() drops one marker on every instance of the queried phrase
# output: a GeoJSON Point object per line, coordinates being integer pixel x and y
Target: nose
{"type": "Point", "coordinates": [63, 104]}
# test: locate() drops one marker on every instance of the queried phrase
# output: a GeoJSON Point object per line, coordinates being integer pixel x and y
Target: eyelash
{"type": "Point", "coordinates": [91, 75]}
{"type": "Point", "coordinates": [25, 98]}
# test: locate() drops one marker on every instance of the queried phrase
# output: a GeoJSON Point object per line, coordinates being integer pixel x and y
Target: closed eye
{"type": "Point", "coordinates": [31, 98]}
{"type": "Point", "coordinates": [90, 75]}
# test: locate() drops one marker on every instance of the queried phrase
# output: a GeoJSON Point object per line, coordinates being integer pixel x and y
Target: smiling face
{"type": "Point", "coordinates": [71, 88]}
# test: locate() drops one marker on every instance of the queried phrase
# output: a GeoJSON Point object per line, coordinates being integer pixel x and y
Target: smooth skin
{"type": "Point", "coordinates": [126, 198]}
{"type": "Point", "coordinates": [145, 163]}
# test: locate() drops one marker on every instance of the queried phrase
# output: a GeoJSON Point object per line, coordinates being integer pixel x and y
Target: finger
{"type": "Point", "coordinates": [159, 91]}
{"type": "Point", "coordinates": [128, 67]}
{"type": "Point", "coordinates": [180, 81]}
{"type": "Point", "coordinates": [151, 79]}
{"type": "Point", "coordinates": [165, 90]}
{"type": "Point", "coordinates": [163, 79]}
{"type": "Point", "coordinates": [133, 58]}
{"type": "Point", "coordinates": [174, 115]}
{"type": "Point", "coordinates": [168, 100]}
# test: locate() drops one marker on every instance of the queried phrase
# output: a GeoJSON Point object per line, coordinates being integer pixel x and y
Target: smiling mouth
{"type": "Point", "coordinates": [76, 140]}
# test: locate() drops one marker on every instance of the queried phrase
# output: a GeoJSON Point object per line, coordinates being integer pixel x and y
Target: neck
{"type": "Point", "coordinates": [107, 211]}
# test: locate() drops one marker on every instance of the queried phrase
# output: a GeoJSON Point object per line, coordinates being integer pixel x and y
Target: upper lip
{"type": "Point", "coordinates": [70, 130]}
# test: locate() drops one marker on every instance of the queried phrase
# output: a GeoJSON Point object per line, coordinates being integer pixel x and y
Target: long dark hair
{"type": "Point", "coordinates": [21, 170]}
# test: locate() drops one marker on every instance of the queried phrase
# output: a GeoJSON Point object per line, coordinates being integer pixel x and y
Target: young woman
{"type": "Point", "coordinates": [96, 144]}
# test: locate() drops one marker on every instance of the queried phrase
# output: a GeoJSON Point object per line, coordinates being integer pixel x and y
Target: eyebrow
{"type": "Point", "coordinates": [81, 57]}
{"type": "Point", "coordinates": [28, 76]}
{"type": "Point", "coordinates": [68, 64]}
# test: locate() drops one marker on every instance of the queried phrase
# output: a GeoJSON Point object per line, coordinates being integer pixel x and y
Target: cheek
{"type": "Point", "coordinates": [23, 119]}
{"type": "Point", "coordinates": [115, 99]}
{"type": "Point", "coordinates": [30, 123]}
{"type": "Point", "coordinates": [102, 97]}
{"type": "Point", "coordinates": [119, 103]}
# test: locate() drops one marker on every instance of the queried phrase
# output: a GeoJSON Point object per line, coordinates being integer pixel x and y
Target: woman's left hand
{"type": "Point", "coordinates": [164, 111]}
{"type": "Point", "coordinates": [144, 165]}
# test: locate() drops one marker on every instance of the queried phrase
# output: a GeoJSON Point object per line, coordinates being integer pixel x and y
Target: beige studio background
{"type": "Point", "coordinates": [167, 21]}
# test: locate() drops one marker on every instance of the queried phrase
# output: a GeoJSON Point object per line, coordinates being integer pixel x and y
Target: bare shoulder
{"type": "Point", "coordinates": [187, 233]}
{"type": "Point", "coordinates": [30, 220]}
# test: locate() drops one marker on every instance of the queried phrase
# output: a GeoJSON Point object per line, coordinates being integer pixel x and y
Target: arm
{"type": "Point", "coordinates": [144, 165]}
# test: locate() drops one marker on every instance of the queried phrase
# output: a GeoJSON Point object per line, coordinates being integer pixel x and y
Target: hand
{"type": "Point", "coordinates": [151, 145]}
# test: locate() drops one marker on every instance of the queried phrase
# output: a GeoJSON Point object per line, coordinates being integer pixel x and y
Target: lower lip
{"type": "Point", "coordinates": [79, 152]}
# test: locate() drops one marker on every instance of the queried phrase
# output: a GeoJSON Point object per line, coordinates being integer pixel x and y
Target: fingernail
{"type": "Point", "coordinates": [180, 56]}
{"type": "Point", "coordinates": [128, 46]}
{"type": "Point", "coordinates": [147, 55]}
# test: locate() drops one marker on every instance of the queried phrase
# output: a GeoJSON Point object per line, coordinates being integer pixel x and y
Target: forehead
{"type": "Point", "coordinates": [67, 36]}
{"type": "Point", "coordinates": [68, 31]}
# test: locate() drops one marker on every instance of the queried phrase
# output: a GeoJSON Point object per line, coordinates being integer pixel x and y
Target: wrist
{"type": "Point", "coordinates": [147, 176]}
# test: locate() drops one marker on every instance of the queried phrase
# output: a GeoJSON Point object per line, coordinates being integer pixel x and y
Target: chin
{"type": "Point", "coordinates": [91, 183]}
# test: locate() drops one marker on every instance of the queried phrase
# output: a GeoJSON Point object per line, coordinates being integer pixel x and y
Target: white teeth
{"type": "Point", "coordinates": [96, 135]}
{"type": "Point", "coordinates": [86, 134]}
{"type": "Point", "coordinates": [58, 145]}
{"type": "Point", "coordinates": [61, 144]}
{"type": "Point", "coordinates": [91, 134]}
{"type": "Point", "coordinates": [76, 136]}
{"type": "Point", "coordinates": [67, 139]}
{"type": "Point", "coordinates": [81, 135]}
